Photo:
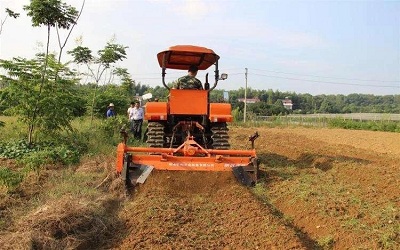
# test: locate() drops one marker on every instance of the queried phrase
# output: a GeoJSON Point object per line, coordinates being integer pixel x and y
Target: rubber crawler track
{"type": "Point", "coordinates": [220, 136]}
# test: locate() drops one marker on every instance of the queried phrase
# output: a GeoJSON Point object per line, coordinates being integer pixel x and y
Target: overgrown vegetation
{"type": "Point", "coordinates": [62, 149]}
{"type": "Point", "coordinates": [10, 178]}
{"type": "Point", "coordinates": [388, 126]}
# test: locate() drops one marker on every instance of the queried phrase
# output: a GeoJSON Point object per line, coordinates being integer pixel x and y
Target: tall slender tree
{"type": "Point", "coordinates": [63, 44]}
{"type": "Point", "coordinates": [49, 13]}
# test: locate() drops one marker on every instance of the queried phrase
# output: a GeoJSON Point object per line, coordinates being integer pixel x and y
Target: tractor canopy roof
{"type": "Point", "coordinates": [182, 56]}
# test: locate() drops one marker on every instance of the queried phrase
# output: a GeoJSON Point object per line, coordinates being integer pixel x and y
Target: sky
{"type": "Point", "coordinates": [315, 47]}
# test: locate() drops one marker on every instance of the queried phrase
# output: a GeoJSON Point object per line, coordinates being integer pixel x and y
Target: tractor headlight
{"type": "Point", "coordinates": [223, 76]}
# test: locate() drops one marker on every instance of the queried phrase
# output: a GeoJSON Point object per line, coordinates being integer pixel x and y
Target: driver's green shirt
{"type": "Point", "coordinates": [188, 82]}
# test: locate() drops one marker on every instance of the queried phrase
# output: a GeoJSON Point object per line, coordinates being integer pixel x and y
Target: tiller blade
{"type": "Point", "coordinates": [132, 173]}
{"type": "Point", "coordinates": [136, 163]}
{"type": "Point", "coordinates": [247, 175]}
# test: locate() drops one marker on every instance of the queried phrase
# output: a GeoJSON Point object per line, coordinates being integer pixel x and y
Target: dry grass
{"type": "Point", "coordinates": [63, 209]}
{"type": "Point", "coordinates": [65, 223]}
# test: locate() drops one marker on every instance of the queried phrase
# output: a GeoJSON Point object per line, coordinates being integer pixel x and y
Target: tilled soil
{"type": "Point", "coordinates": [320, 188]}
{"type": "Point", "coordinates": [193, 210]}
{"type": "Point", "coordinates": [340, 187]}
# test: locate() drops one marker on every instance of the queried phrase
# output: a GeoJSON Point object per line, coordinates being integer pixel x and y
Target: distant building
{"type": "Point", "coordinates": [287, 103]}
{"type": "Point", "coordinates": [249, 100]}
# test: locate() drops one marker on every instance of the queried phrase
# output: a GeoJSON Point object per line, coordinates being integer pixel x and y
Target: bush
{"type": "Point", "coordinates": [34, 160]}
{"type": "Point", "coordinates": [111, 126]}
{"type": "Point", "coordinates": [66, 155]}
{"type": "Point", "coordinates": [74, 141]}
{"type": "Point", "coordinates": [62, 154]}
{"type": "Point", "coordinates": [9, 178]}
{"type": "Point", "coordinates": [16, 149]}
{"type": "Point", "coordinates": [60, 149]}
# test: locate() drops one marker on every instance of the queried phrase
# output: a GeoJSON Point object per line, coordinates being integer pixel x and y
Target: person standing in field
{"type": "Point", "coordinates": [135, 116]}
{"type": "Point", "coordinates": [110, 110]}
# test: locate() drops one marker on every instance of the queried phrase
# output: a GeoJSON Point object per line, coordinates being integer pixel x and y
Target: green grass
{"type": "Point", "coordinates": [283, 121]}
{"type": "Point", "coordinates": [11, 129]}
{"type": "Point", "coordinates": [351, 223]}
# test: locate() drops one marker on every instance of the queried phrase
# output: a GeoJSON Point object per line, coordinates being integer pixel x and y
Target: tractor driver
{"type": "Point", "coordinates": [189, 81]}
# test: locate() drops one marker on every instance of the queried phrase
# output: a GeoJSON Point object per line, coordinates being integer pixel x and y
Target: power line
{"type": "Point", "coordinates": [170, 73]}
{"type": "Point", "coordinates": [340, 78]}
{"type": "Point", "coordinates": [152, 78]}
{"type": "Point", "coordinates": [329, 82]}
{"type": "Point", "coordinates": [289, 78]}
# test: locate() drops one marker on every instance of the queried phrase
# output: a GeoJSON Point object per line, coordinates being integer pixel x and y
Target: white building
{"type": "Point", "coordinates": [287, 103]}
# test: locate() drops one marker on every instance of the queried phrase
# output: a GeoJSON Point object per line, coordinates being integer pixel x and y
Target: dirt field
{"type": "Point", "coordinates": [319, 189]}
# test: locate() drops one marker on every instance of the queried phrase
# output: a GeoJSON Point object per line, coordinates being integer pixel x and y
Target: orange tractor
{"type": "Point", "coordinates": [187, 132]}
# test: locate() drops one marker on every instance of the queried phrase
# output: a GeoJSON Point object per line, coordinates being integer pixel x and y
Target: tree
{"type": "Point", "coordinates": [111, 54]}
{"type": "Point", "coordinates": [111, 93]}
{"type": "Point", "coordinates": [53, 98]}
{"type": "Point", "coordinates": [217, 95]}
{"type": "Point", "coordinates": [127, 84]}
{"type": "Point", "coordinates": [270, 98]}
{"type": "Point", "coordinates": [265, 109]}
{"type": "Point", "coordinates": [10, 13]}
{"type": "Point", "coordinates": [50, 13]}
{"type": "Point", "coordinates": [159, 92]}
{"type": "Point", "coordinates": [62, 45]}
{"type": "Point", "coordinates": [107, 56]}
{"type": "Point", "coordinates": [130, 87]}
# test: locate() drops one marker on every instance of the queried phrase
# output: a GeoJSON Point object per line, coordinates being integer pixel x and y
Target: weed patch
{"type": "Point", "coordinates": [10, 178]}
{"type": "Point", "coordinates": [388, 126]}
{"type": "Point", "coordinates": [326, 242]}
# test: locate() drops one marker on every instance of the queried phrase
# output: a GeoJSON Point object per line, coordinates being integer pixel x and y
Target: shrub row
{"type": "Point", "coordinates": [35, 155]}
{"type": "Point", "coordinates": [388, 126]}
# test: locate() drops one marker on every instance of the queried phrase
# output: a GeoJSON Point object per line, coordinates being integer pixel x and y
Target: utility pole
{"type": "Point", "coordinates": [245, 97]}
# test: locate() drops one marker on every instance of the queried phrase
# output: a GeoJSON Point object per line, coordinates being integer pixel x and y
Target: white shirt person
{"type": "Point", "coordinates": [135, 115]}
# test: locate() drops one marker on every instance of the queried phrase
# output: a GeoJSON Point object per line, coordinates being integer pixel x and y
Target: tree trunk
{"type": "Point", "coordinates": [36, 107]}
{"type": "Point", "coordinates": [30, 134]}
{"type": "Point", "coordinates": [93, 102]}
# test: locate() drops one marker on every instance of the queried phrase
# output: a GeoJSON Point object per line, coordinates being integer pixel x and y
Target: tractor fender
{"type": "Point", "coordinates": [156, 111]}
{"type": "Point", "coordinates": [220, 112]}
